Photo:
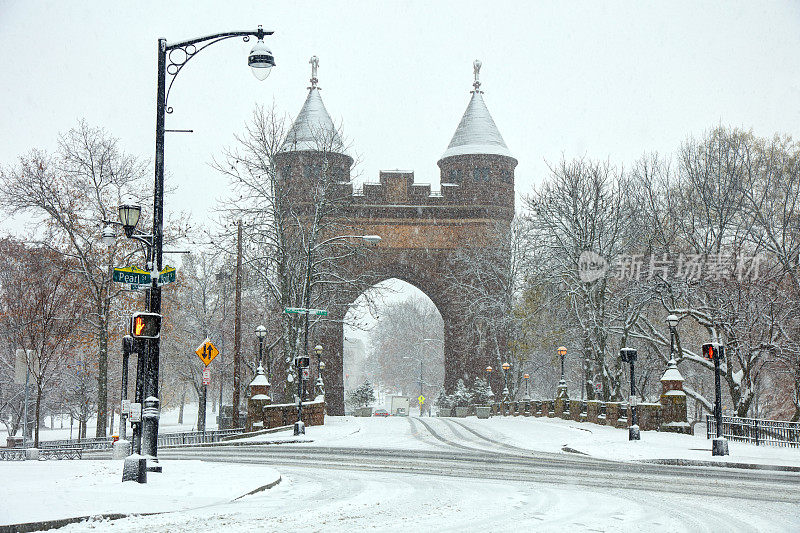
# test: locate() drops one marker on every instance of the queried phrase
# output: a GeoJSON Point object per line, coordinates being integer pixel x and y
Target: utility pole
{"type": "Point", "coordinates": [237, 326]}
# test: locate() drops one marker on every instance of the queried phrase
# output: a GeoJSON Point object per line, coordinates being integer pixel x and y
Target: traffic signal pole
{"type": "Point", "coordinates": [719, 445]}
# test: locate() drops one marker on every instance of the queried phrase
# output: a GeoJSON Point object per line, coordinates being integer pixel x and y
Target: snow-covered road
{"type": "Point", "coordinates": [436, 474]}
{"type": "Point", "coordinates": [320, 499]}
{"type": "Point", "coordinates": [452, 475]}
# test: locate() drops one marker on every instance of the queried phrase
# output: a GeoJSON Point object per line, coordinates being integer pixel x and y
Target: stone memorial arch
{"type": "Point", "coordinates": [419, 228]}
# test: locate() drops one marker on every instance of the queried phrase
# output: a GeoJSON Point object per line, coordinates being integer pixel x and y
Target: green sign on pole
{"type": "Point", "coordinates": [168, 275]}
{"type": "Point", "coordinates": [304, 311]}
{"type": "Point", "coordinates": [132, 275]}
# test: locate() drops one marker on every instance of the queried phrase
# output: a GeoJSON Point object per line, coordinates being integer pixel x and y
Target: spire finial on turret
{"type": "Point", "coordinates": [476, 68]}
{"type": "Point", "coordinates": [314, 61]}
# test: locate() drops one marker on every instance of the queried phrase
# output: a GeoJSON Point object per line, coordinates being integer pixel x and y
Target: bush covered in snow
{"type": "Point", "coordinates": [481, 392]}
{"type": "Point", "coordinates": [443, 401]}
{"type": "Point", "coordinates": [363, 396]}
{"type": "Point", "coordinates": [462, 397]}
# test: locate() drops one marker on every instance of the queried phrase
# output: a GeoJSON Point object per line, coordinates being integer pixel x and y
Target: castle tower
{"type": "Point", "coordinates": [477, 168]}
{"type": "Point", "coordinates": [313, 149]}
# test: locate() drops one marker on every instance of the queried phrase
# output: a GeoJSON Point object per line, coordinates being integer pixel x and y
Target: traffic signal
{"type": "Point", "coordinates": [303, 361]}
{"type": "Point", "coordinates": [145, 325]}
{"type": "Point", "coordinates": [628, 355]}
{"type": "Point", "coordinates": [712, 350]}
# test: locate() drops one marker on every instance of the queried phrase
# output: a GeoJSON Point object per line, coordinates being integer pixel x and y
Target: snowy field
{"type": "Point", "coordinates": [48, 490]}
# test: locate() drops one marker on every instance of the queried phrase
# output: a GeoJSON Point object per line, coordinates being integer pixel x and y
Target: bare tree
{"type": "Point", "coordinates": [582, 219]}
{"type": "Point", "coordinates": [40, 313]}
{"type": "Point", "coordinates": [71, 192]}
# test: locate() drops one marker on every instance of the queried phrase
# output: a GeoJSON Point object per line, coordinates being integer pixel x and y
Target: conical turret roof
{"type": "Point", "coordinates": [313, 129]}
{"type": "Point", "coordinates": [477, 132]}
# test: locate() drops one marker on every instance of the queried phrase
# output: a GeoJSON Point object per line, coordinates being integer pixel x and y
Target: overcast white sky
{"type": "Point", "coordinates": [607, 80]}
{"type": "Point", "coordinates": [603, 79]}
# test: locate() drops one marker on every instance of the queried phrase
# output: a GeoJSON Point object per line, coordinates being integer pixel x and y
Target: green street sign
{"type": "Point", "coordinates": [303, 311]}
{"type": "Point", "coordinates": [168, 275]}
{"type": "Point", "coordinates": [131, 275]}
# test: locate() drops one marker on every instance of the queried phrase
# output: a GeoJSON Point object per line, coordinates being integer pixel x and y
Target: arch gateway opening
{"type": "Point", "coordinates": [394, 340]}
{"type": "Point", "coordinates": [442, 242]}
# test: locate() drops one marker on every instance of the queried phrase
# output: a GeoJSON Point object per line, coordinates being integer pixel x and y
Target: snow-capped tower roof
{"type": "Point", "coordinates": [313, 129]}
{"type": "Point", "coordinates": [477, 132]}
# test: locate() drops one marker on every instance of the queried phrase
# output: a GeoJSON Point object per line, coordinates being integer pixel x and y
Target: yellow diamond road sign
{"type": "Point", "coordinates": [206, 352]}
{"type": "Point", "coordinates": [421, 399]}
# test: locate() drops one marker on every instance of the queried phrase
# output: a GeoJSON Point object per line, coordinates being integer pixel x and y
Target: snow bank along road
{"type": "Point", "coordinates": [467, 480]}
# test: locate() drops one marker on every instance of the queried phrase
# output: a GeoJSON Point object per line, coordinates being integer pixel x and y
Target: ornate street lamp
{"type": "Point", "coordinates": [489, 370]}
{"type": "Point", "coordinates": [505, 366]}
{"type": "Point", "coordinates": [129, 217]}
{"type": "Point", "coordinates": [320, 367]}
{"type": "Point", "coordinates": [527, 378]}
{"type": "Point", "coordinates": [561, 391]}
{"type": "Point", "coordinates": [672, 321]}
{"type": "Point", "coordinates": [261, 332]}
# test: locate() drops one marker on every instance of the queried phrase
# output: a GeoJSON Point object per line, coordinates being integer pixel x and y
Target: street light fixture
{"type": "Point", "coordinates": [129, 217]}
{"type": "Point", "coordinates": [169, 64]}
{"type": "Point", "coordinates": [261, 60]}
{"type": "Point", "coordinates": [107, 235]}
{"type": "Point", "coordinates": [527, 378]}
{"type": "Point", "coordinates": [505, 366]}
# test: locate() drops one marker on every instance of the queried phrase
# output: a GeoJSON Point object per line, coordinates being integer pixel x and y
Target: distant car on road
{"type": "Point", "coordinates": [380, 412]}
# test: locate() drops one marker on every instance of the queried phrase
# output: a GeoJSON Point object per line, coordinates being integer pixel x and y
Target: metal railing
{"type": "Point", "coordinates": [61, 452]}
{"type": "Point", "coordinates": [756, 430]}
{"type": "Point", "coordinates": [96, 443]}
{"type": "Point", "coordinates": [196, 437]}
{"type": "Point", "coordinates": [12, 454]}
{"type": "Point", "coordinates": [106, 443]}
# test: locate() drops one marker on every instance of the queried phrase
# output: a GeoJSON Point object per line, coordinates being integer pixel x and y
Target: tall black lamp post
{"type": "Point", "coordinates": [672, 321]}
{"type": "Point", "coordinates": [261, 332]}
{"type": "Point", "coordinates": [489, 370]}
{"type": "Point", "coordinates": [561, 392]}
{"type": "Point", "coordinates": [628, 355]}
{"type": "Point", "coordinates": [505, 367]}
{"type": "Point", "coordinates": [527, 378]}
{"type": "Point", "coordinates": [171, 58]}
{"type": "Point", "coordinates": [320, 386]}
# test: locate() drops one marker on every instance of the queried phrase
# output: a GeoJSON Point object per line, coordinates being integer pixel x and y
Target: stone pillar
{"type": "Point", "coordinates": [673, 401]}
{"type": "Point", "coordinates": [259, 398]}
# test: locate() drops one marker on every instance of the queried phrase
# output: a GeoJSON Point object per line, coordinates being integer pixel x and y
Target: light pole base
{"type": "Point", "coordinates": [299, 428]}
{"type": "Point", "coordinates": [121, 449]}
{"type": "Point", "coordinates": [135, 469]}
{"type": "Point", "coordinates": [633, 433]}
{"type": "Point", "coordinates": [719, 446]}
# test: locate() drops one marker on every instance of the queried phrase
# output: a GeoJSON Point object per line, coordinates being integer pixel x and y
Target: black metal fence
{"type": "Point", "coordinates": [196, 437]}
{"type": "Point", "coordinates": [755, 430]}
{"type": "Point", "coordinates": [74, 448]}
{"type": "Point", "coordinates": [12, 454]}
